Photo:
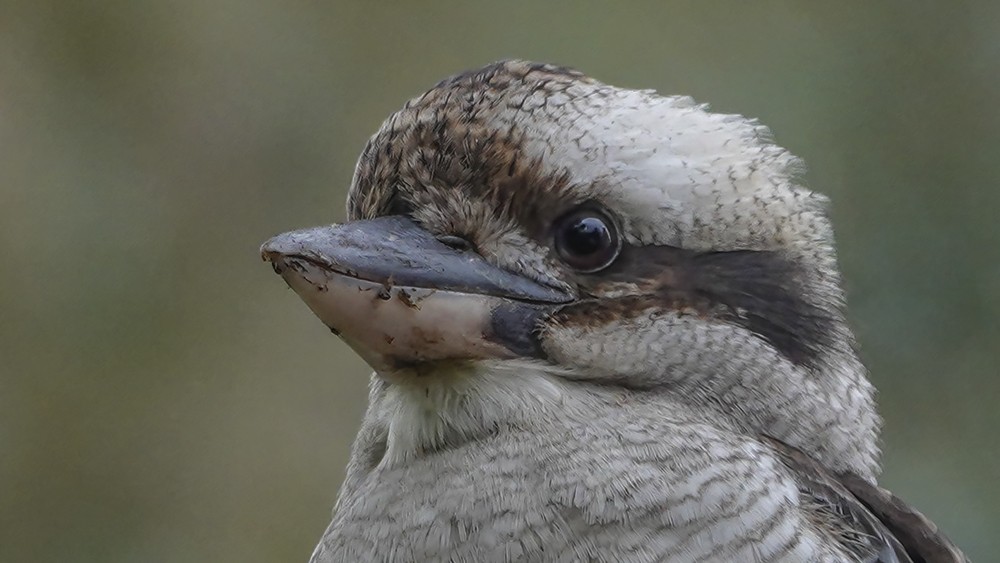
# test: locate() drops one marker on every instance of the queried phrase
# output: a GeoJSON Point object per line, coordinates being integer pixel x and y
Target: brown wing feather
{"type": "Point", "coordinates": [922, 539]}
{"type": "Point", "coordinates": [887, 529]}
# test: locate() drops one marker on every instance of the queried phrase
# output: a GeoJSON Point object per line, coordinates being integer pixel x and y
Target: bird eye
{"type": "Point", "coordinates": [587, 240]}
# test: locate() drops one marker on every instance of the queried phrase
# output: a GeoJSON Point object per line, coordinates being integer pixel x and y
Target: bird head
{"type": "Point", "coordinates": [523, 231]}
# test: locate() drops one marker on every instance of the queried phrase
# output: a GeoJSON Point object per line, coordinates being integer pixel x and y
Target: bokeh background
{"type": "Point", "coordinates": [164, 397]}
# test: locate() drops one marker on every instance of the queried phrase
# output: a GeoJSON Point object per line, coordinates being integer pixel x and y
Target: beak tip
{"type": "Point", "coordinates": [274, 252]}
{"type": "Point", "coordinates": [279, 247]}
{"type": "Point", "coordinates": [267, 249]}
{"type": "Point", "coordinates": [273, 245]}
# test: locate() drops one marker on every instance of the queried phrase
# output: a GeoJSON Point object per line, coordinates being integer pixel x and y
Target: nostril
{"type": "Point", "coordinates": [456, 242]}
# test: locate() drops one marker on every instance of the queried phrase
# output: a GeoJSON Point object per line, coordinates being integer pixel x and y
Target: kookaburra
{"type": "Point", "coordinates": [605, 325]}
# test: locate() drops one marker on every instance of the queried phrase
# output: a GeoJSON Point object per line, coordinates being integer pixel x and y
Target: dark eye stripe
{"type": "Point", "coordinates": [761, 291]}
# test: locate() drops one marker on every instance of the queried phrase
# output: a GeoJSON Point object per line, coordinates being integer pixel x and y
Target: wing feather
{"type": "Point", "coordinates": [871, 521]}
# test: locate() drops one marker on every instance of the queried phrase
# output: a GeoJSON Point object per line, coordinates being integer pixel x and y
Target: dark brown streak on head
{"type": "Point", "coordinates": [766, 293]}
{"type": "Point", "coordinates": [763, 292]}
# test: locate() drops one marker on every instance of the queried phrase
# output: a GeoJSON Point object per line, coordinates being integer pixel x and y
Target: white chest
{"type": "Point", "coordinates": [616, 488]}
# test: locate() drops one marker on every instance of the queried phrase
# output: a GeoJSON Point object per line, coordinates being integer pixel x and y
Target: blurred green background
{"type": "Point", "coordinates": [164, 397]}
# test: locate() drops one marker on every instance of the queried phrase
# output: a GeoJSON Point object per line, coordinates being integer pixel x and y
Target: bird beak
{"type": "Point", "coordinates": [398, 296]}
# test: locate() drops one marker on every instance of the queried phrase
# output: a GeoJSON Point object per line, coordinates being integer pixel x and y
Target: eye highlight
{"type": "Point", "coordinates": [587, 240]}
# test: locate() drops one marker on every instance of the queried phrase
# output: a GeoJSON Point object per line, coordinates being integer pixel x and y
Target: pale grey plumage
{"type": "Point", "coordinates": [662, 411]}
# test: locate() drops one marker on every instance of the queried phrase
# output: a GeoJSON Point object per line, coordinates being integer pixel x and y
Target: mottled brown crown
{"type": "Point", "coordinates": [461, 140]}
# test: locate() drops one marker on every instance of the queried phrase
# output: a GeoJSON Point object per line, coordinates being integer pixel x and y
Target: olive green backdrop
{"type": "Point", "coordinates": [164, 397]}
